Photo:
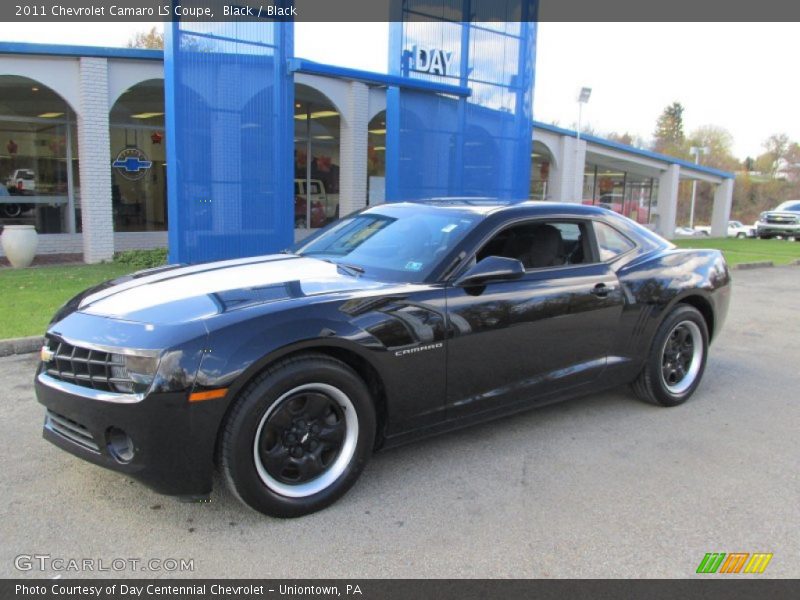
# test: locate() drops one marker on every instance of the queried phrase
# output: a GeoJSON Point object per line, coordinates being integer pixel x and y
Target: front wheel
{"type": "Point", "coordinates": [298, 437]}
{"type": "Point", "coordinates": [741, 235]}
{"type": "Point", "coordinates": [677, 359]}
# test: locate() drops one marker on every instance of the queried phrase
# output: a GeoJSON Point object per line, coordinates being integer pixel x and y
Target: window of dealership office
{"type": "Point", "coordinates": [38, 157]}
{"type": "Point", "coordinates": [624, 192]}
{"type": "Point", "coordinates": [138, 155]}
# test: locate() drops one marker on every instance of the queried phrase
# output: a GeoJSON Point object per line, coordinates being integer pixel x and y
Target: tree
{"type": "Point", "coordinates": [776, 146]}
{"type": "Point", "coordinates": [152, 39]}
{"type": "Point", "coordinates": [719, 142]}
{"type": "Point", "coordinates": [668, 136]}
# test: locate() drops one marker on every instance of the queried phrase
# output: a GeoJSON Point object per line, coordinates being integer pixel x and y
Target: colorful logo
{"type": "Point", "coordinates": [132, 163]}
{"type": "Point", "coordinates": [735, 562]}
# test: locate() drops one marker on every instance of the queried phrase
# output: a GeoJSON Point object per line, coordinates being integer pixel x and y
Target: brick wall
{"type": "Point", "coordinates": [353, 149]}
{"type": "Point", "coordinates": [95, 161]}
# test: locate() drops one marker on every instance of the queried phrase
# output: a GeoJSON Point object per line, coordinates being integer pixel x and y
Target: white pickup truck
{"type": "Point", "coordinates": [736, 229]}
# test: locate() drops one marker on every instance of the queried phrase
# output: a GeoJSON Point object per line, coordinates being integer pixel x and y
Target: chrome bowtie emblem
{"type": "Point", "coordinates": [46, 354]}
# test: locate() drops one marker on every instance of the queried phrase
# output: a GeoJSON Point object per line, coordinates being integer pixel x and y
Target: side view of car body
{"type": "Point", "coordinates": [404, 320]}
{"type": "Point", "coordinates": [784, 221]}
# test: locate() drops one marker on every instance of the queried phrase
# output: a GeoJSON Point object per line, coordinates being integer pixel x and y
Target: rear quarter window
{"type": "Point", "coordinates": [610, 242]}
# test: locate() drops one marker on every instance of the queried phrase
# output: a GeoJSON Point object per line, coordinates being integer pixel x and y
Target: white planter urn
{"type": "Point", "coordinates": [19, 244]}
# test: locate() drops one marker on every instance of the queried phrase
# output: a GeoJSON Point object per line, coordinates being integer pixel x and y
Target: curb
{"type": "Point", "coordinates": [754, 265]}
{"type": "Point", "coordinates": [23, 345]}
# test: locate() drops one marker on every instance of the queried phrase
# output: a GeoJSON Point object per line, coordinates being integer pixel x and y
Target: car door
{"type": "Point", "coordinates": [524, 339]}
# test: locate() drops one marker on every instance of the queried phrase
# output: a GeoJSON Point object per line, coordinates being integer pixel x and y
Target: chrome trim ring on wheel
{"type": "Point", "coordinates": [681, 357]}
{"type": "Point", "coordinates": [305, 440]}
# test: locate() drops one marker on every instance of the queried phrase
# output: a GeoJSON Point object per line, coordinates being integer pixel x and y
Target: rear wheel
{"type": "Point", "coordinates": [677, 359]}
{"type": "Point", "coordinates": [298, 437]}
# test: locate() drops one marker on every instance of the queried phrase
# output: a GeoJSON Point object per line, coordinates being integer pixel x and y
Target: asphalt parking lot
{"type": "Point", "coordinates": [599, 487]}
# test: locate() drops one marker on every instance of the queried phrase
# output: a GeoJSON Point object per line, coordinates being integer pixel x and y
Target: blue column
{"type": "Point", "coordinates": [229, 126]}
{"type": "Point", "coordinates": [439, 145]}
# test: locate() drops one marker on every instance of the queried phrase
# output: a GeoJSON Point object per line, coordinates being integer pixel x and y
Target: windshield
{"type": "Point", "coordinates": [392, 243]}
{"type": "Point", "coordinates": [790, 205]}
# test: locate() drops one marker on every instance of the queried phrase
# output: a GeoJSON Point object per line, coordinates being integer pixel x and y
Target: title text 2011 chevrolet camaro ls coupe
{"type": "Point", "coordinates": [403, 320]}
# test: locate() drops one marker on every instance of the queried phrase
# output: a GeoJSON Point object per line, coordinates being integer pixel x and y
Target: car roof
{"type": "Point", "coordinates": [486, 206]}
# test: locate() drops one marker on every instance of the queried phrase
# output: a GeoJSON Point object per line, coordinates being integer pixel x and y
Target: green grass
{"type": "Point", "coordinates": [31, 296]}
{"type": "Point", "coordinates": [737, 251]}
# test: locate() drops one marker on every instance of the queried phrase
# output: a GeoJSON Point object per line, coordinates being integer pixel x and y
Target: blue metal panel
{"type": "Point", "coordinates": [302, 65]}
{"type": "Point", "coordinates": [445, 145]}
{"type": "Point", "coordinates": [229, 107]}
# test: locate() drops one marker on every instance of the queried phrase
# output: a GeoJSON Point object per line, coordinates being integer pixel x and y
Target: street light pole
{"type": "Point", "coordinates": [583, 97]}
{"type": "Point", "coordinates": [695, 151]}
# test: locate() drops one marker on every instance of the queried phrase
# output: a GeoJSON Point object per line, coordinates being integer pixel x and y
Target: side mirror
{"type": "Point", "coordinates": [492, 268]}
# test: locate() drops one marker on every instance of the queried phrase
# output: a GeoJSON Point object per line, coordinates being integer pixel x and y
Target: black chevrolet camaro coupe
{"type": "Point", "coordinates": [287, 371]}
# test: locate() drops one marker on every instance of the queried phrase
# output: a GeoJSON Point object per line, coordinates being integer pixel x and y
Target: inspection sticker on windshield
{"type": "Point", "coordinates": [449, 228]}
{"type": "Point", "coordinates": [413, 265]}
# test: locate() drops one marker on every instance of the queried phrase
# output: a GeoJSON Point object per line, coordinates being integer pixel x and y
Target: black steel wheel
{"type": "Point", "coordinates": [677, 358]}
{"type": "Point", "coordinates": [298, 436]}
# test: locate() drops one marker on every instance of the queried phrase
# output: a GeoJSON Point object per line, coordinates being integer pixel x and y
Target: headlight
{"type": "Point", "coordinates": [762, 216]}
{"type": "Point", "coordinates": [131, 373]}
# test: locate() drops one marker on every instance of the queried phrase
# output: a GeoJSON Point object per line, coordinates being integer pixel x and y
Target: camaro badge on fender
{"type": "Point", "coordinates": [419, 349]}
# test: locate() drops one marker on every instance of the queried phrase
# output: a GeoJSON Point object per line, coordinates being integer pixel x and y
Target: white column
{"type": "Point", "coordinates": [668, 201]}
{"type": "Point", "coordinates": [565, 180]}
{"type": "Point", "coordinates": [353, 149]}
{"type": "Point", "coordinates": [721, 214]}
{"type": "Point", "coordinates": [95, 161]}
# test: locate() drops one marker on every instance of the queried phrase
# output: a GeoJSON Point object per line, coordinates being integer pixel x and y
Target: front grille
{"type": "Point", "coordinates": [88, 368]}
{"type": "Point", "coordinates": [781, 220]}
{"type": "Point", "coordinates": [71, 430]}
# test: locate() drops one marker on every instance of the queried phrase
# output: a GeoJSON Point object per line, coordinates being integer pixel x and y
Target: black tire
{"type": "Point", "coordinates": [660, 381]}
{"type": "Point", "coordinates": [12, 210]}
{"type": "Point", "coordinates": [285, 464]}
{"type": "Point", "coordinates": [741, 235]}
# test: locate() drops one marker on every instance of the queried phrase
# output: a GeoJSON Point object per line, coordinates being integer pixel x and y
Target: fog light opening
{"type": "Point", "coordinates": [120, 445]}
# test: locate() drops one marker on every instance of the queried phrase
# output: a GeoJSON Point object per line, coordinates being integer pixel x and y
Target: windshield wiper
{"type": "Point", "coordinates": [353, 270]}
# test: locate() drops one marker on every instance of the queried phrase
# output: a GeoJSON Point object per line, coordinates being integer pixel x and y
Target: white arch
{"type": "Point", "coordinates": [59, 74]}
{"type": "Point", "coordinates": [124, 74]}
{"type": "Point", "coordinates": [551, 144]}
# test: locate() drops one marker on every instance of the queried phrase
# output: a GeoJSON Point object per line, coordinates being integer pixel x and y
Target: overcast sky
{"type": "Point", "coordinates": [741, 76]}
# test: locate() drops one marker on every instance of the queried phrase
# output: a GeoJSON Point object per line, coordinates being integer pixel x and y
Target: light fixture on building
{"type": "Point", "coordinates": [584, 95]}
{"type": "Point", "coordinates": [378, 131]}
{"type": "Point", "coordinates": [320, 114]}
{"type": "Point", "coordinates": [147, 115]}
{"type": "Point", "coordinates": [34, 89]}
{"type": "Point", "coordinates": [51, 115]}
{"type": "Point", "coordinates": [323, 137]}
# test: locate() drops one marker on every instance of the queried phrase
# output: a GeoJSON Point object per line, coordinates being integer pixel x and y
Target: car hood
{"type": "Point", "coordinates": [202, 291]}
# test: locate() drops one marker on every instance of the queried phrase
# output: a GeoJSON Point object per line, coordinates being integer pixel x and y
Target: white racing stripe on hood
{"type": "Point", "coordinates": [147, 295]}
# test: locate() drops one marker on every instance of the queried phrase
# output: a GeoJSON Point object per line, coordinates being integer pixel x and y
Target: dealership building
{"type": "Point", "coordinates": [85, 146]}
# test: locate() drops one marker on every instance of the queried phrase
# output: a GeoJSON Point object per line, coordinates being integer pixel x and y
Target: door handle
{"type": "Point", "coordinates": [601, 290]}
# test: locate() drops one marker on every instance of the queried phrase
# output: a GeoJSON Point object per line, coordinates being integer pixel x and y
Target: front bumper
{"type": "Point", "coordinates": [173, 440]}
{"type": "Point", "coordinates": [777, 229]}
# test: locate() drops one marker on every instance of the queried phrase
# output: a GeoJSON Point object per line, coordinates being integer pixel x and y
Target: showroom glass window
{"type": "Point", "coordinates": [38, 158]}
{"type": "Point", "coordinates": [138, 159]}
{"type": "Point", "coordinates": [626, 193]}
{"type": "Point", "coordinates": [316, 159]}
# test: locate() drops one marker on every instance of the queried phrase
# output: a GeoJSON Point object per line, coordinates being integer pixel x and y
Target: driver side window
{"type": "Point", "coordinates": [541, 244]}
